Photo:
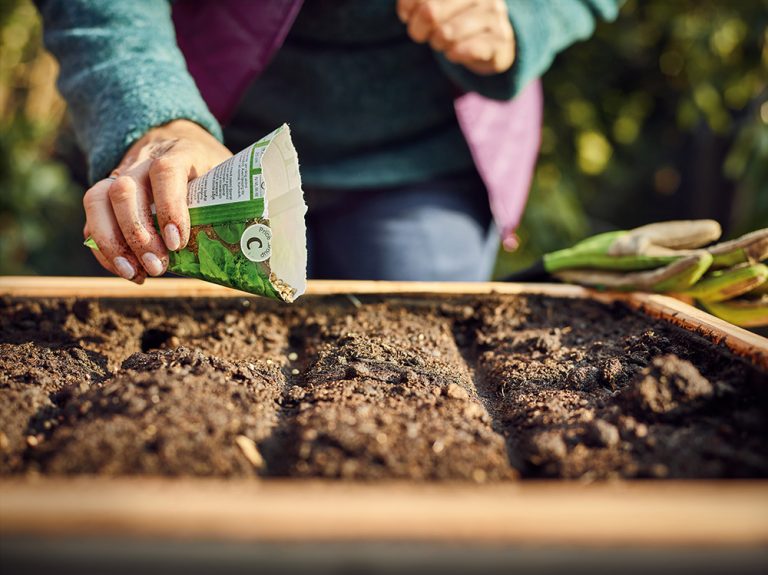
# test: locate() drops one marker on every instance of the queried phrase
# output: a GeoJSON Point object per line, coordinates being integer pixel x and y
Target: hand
{"type": "Point", "coordinates": [156, 169]}
{"type": "Point", "coordinates": [474, 33]}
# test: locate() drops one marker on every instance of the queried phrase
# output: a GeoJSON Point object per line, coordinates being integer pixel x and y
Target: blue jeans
{"type": "Point", "coordinates": [440, 230]}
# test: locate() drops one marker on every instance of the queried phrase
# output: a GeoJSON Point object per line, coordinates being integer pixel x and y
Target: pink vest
{"type": "Point", "coordinates": [228, 43]}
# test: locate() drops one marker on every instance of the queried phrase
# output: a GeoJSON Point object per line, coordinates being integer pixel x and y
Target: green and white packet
{"type": "Point", "coordinates": [247, 222]}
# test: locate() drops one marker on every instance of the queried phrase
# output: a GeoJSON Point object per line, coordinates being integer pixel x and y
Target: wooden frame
{"type": "Point", "coordinates": [659, 513]}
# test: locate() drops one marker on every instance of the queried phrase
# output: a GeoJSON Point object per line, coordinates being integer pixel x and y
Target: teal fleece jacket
{"type": "Point", "coordinates": [122, 73]}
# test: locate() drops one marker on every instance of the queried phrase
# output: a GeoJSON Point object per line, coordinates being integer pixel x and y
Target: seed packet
{"type": "Point", "coordinates": [247, 222]}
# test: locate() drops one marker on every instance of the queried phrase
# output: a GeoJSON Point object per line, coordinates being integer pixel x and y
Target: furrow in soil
{"type": "Point", "coordinates": [591, 391]}
{"type": "Point", "coordinates": [386, 394]}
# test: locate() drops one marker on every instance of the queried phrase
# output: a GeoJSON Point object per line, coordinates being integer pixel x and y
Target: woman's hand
{"type": "Point", "coordinates": [474, 33]}
{"type": "Point", "coordinates": [156, 169]}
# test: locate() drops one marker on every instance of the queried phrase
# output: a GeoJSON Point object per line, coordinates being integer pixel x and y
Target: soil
{"type": "Point", "coordinates": [490, 388]}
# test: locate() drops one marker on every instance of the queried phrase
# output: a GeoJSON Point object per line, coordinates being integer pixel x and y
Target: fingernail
{"type": "Point", "coordinates": [172, 237]}
{"type": "Point", "coordinates": [124, 267]}
{"type": "Point", "coordinates": [152, 264]}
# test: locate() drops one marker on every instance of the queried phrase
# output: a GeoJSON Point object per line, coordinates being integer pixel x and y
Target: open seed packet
{"type": "Point", "coordinates": [247, 218]}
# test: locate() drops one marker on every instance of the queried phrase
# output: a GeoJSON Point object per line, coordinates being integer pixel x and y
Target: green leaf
{"type": "Point", "coordinates": [216, 261]}
{"type": "Point", "coordinates": [185, 262]}
{"type": "Point", "coordinates": [91, 243]}
{"type": "Point", "coordinates": [247, 275]}
{"type": "Point", "coordinates": [230, 232]}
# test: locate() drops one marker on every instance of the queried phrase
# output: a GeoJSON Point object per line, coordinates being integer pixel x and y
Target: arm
{"type": "Point", "coordinates": [140, 119]}
{"type": "Point", "coordinates": [539, 30]}
{"type": "Point", "coordinates": [121, 74]}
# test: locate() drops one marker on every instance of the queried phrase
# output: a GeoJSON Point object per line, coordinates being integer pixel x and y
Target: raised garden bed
{"type": "Point", "coordinates": [487, 385]}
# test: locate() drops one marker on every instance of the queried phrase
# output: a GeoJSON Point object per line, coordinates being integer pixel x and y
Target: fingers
{"type": "Point", "coordinates": [113, 253]}
{"type": "Point", "coordinates": [482, 54]}
{"type": "Point", "coordinates": [474, 33]}
{"type": "Point", "coordinates": [425, 17]}
{"type": "Point", "coordinates": [98, 254]}
{"type": "Point", "coordinates": [462, 26]}
{"type": "Point", "coordinates": [130, 202]}
{"type": "Point", "coordinates": [168, 176]}
{"type": "Point", "coordinates": [477, 48]}
{"type": "Point", "coordinates": [405, 8]}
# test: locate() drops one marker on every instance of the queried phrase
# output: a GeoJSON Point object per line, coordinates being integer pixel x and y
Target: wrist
{"type": "Point", "coordinates": [176, 129]}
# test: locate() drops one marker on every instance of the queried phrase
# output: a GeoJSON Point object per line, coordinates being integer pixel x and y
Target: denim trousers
{"type": "Point", "coordinates": [438, 230]}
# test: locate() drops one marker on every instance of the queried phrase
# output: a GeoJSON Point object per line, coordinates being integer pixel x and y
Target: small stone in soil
{"type": "Point", "coordinates": [603, 433]}
{"type": "Point", "coordinates": [669, 386]}
{"type": "Point", "coordinates": [455, 391]}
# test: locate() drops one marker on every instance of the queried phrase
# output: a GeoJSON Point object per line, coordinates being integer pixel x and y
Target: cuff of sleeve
{"type": "Point", "coordinates": [126, 106]}
{"type": "Point", "coordinates": [532, 54]}
{"type": "Point", "coordinates": [497, 87]}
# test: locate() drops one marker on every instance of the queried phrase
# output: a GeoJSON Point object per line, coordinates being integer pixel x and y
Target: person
{"type": "Point", "coordinates": [417, 122]}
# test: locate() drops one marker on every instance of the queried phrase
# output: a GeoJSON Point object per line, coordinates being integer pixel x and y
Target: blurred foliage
{"type": "Point", "coordinates": [662, 114]}
{"type": "Point", "coordinates": [40, 206]}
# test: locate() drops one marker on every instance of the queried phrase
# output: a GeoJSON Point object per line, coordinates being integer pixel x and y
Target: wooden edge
{"type": "Point", "coordinates": [740, 341]}
{"type": "Point", "coordinates": [721, 513]}
{"type": "Point", "coordinates": [73, 286]}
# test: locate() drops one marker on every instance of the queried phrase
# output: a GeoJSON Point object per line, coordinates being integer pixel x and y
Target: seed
{"type": "Point", "coordinates": [32, 441]}
{"type": "Point", "coordinates": [295, 371]}
{"type": "Point", "coordinates": [293, 356]}
{"type": "Point", "coordinates": [249, 449]}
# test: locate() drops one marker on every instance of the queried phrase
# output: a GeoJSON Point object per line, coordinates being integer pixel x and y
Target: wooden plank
{"type": "Point", "coordinates": [628, 513]}
{"type": "Point", "coordinates": [740, 341]}
{"type": "Point", "coordinates": [63, 286]}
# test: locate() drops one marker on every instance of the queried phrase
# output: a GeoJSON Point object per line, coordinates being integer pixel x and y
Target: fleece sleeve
{"type": "Point", "coordinates": [121, 73]}
{"type": "Point", "coordinates": [542, 29]}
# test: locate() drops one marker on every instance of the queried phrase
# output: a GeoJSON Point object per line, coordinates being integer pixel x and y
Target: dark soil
{"type": "Point", "coordinates": [467, 388]}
